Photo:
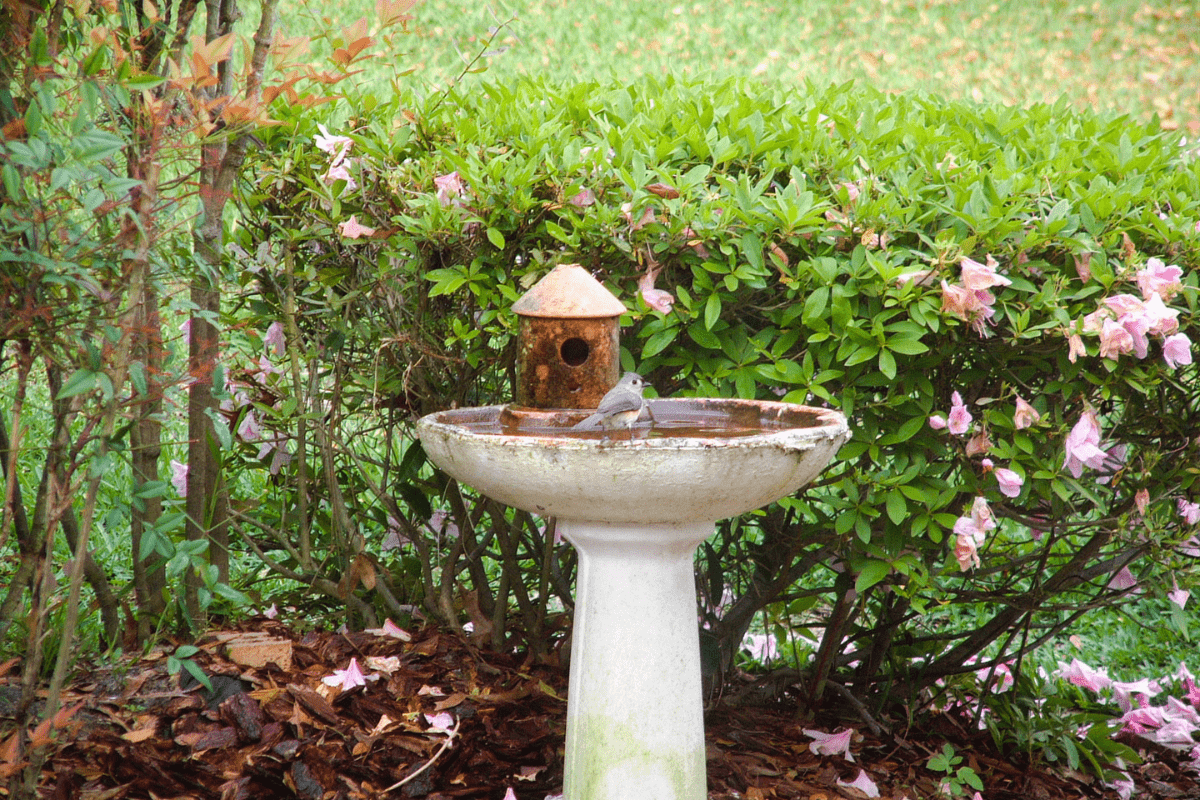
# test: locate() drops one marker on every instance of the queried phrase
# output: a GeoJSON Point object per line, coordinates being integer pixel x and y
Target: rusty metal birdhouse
{"type": "Point", "coordinates": [568, 350]}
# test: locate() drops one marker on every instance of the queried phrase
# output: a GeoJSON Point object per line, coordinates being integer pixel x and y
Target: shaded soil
{"type": "Point", "coordinates": [268, 731]}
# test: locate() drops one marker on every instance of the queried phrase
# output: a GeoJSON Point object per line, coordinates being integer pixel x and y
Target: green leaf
{"type": "Point", "coordinates": [712, 310]}
{"type": "Point", "coordinates": [871, 573]}
{"type": "Point", "coordinates": [897, 507]}
{"type": "Point", "coordinates": [496, 238]}
{"type": "Point", "coordinates": [80, 382]}
{"type": "Point", "coordinates": [658, 342]}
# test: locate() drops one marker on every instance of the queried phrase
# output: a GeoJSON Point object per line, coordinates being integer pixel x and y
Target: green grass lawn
{"type": "Point", "coordinates": [1135, 56]}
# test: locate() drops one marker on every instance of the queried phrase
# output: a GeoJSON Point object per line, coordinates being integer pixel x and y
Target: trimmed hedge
{"type": "Point", "coordinates": [879, 254]}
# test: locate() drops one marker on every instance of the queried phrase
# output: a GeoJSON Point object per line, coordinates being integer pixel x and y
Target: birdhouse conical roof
{"type": "Point", "coordinates": [568, 291]}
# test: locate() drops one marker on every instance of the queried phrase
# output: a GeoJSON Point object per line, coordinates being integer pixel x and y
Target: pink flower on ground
{"type": "Point", "coordinates": [1189, 511]}
{"type": "Point", "coordinates": [1025, 415]}
{"type": "Point", "coordinates": [830, 744]}
{"type": "Point", "coordinates": [272, 612]}
{"type": "Point", "coordinates": [960, 418]}
{"type": "Point", "coordinates": [1083, 445]}
{"type": "Point", "coordinates": [442, 722]}
{"type": "Point", "coordinates": [1082, 675]}
{"type": "Point", "coordinates": [1010, 482]}
{"type": "Point", "coordinates": [351, 229]}
{"type": "Point", "coordinates": [179, 473]}
{"type": "Point", "coordinates": [347, 678]}
{"type": "Point", "coordinates": [1179, 596]}
{"type": "Point", "coordinates": [863, 783]}
{"type": "Point", "coordinates": [1124, 692]}
{"type": "Point", "coordinates": [1158, 279]}
{"type": "Point", "coordinates": [1177, 350]}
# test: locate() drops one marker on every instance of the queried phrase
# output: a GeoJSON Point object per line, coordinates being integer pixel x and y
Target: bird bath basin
{"type": "Point", "coordinates": [636, 508]}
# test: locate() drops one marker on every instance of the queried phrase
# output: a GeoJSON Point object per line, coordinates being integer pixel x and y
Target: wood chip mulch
{"type": "Point", "coordinates": [274, 728]}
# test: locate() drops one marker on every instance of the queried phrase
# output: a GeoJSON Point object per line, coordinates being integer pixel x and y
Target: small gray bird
{"type": "Point", "coordinates": [621, 407]}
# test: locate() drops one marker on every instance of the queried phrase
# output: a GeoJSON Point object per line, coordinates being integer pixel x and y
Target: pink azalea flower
{"type": "Point", "coordinates": [960, 418]}
{"type": "Point", "coordinates": [186, 328]}
{"type": "Point", "coordinates": [1123, 580]}
{"type": "Point", "coordinates": [179, 473]}
{"type": "Point", "coordinates": [1084, 676]}
{"type": "Point", "coordinates": [249, 430]}
{"type": "Point", "coordinates": [978, 444]}
{"type": "Point", "coordinates": [830, 744]}
{"type": "Point", "coordinates": [450, 188]}
{"type": "Point", "coordinates": [272, 612]}
{"type": "Point", "coordinates": [1083, 445]}
{"type": "Point", "coordinates": [583, 199]}
{"type": "Point", "coordinates": [347, 678]}
{"type": "Point", "coordinates": [274, 337]}
{"type": "Point", "coordinates": [1177, 350]}
{"type": "Point", "coordinates": [1161, 321]}
{"type": "Point", "coordinates": [862, 783]}
{"type": "Point", "coordinates": [1179, 596]}
{"type": "Point", "coordinates": [1010, 482]}
{"type": "Point", "coordinates": [1025, 415]}
{"type": "Point", "coordinates": [1083, 266]}
{"type": "Point", "coordinates": [979, 277]}
{"type": "Point", "coordinates": [971, 532]}
{"type": "Point", "coordinates": [937, 422]}
{"type": "Point", "coordinates": [1115, 340]}
{"type": "Point", "coordinates": [336, 146]}
{"type": "Point", "coordinates": [1158, 279]}
{"type": "Point", "coordinates": [340, 172]}
{"type": "Point", "coordinates": [509, 794]}
{"type": "Point", "coordinates": [655, 298]}
{"type": "Point", "coordinates": [1075, 347]}
{"type": "Point", "coordinates": [1189, 511]}
{"type": "Point", "coordinates": [351, 229]}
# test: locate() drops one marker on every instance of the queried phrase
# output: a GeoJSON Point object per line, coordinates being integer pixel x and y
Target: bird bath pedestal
{"type": "Point", "coordinates": [636, 509]}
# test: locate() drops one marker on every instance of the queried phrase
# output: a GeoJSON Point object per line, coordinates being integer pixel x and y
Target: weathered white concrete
{"type": "Point", "coordinates": [635, 510]}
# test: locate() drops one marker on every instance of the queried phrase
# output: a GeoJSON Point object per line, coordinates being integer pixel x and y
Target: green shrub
{"type": "Point", "coordinates": [814, 243]}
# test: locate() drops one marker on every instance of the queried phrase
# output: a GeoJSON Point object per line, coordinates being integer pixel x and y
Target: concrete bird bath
{"type": "Point", "coordinates": [636, 508]}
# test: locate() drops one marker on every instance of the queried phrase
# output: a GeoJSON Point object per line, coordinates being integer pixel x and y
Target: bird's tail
{"type": "Point", "coordinates": [589, 423]}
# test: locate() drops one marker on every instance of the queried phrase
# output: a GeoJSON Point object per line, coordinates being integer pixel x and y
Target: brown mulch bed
{"type": "Point", "coordinates": [282, 732]}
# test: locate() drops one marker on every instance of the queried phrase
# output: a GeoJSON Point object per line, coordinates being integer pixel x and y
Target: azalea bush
{"type": "Point", "coordinates": [1002, 302]}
